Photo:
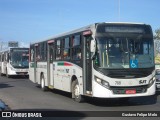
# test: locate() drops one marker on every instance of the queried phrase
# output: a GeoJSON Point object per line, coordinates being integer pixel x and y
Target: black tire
{"type": "Point", "coordinates": [43, 87]}
{"type": "Point", "coordinates": [75, 92]}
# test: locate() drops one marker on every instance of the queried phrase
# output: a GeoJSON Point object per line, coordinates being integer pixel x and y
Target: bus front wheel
{"type": "Point", "coordinates": [76, 92]}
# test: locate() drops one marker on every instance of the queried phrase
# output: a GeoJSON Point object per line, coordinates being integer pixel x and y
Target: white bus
{"type": "Point", "coordinates": [103, 60]}
{"type": "Point", "coordinates": [14, 62]}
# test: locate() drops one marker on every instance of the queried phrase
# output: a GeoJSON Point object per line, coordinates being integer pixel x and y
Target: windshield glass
{"type": "Point", "coordinates": [19, 58]}
{"type": "Point", "coordinates": [124, 51]}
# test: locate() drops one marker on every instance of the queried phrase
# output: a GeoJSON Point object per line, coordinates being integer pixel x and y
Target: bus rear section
{"type": "Point", "coordinates": [15, 62]}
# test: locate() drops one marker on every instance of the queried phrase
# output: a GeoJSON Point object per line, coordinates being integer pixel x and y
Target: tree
{"type": "Point", "coordinates": [157, 34]}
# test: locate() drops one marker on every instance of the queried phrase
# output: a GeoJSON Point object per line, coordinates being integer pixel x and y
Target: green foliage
{"type": "Point", "coordinates": [157, 34]}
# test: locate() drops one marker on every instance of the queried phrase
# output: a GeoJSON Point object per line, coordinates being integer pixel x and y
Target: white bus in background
{"type": "Point", "coordinates": [103, 60]}
{"type": "Point", "coordinates": [14, 62]}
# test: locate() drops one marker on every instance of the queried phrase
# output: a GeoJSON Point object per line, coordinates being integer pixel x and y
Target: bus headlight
{"type": "Point", "coordinates": [102, 82]}
{"type": "Point", "coordinates": [12, 69]}
{"type": "Point", "coordinates": [151, 82]}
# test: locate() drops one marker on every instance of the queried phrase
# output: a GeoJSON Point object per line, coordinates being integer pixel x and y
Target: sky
{"type": "Point", "coordinates": [28, 21]}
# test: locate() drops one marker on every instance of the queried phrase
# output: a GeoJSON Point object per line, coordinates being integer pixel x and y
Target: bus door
{"type": "Point", "coordinates": [87, 64]}
{"type": "Point", "coordinates": [5, 63]}
{"type": "Point", "coordinates": [32, 63]}
{"type": "Point", "coordinates": [36, 58]}
{"type": "Point", "coordinates": [50, 67]}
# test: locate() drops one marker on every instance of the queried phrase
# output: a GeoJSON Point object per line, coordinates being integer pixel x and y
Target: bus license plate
{"type": "Point", "coordinates": [130, 91]}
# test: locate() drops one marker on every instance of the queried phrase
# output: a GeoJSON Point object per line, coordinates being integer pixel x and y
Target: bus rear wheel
{"type": "Point", "coordinates": [76, 92]}
{"type": "Point", "coordinates": [43, 87]}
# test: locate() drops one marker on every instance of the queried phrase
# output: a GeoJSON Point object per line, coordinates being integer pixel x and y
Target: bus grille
{"type": "Point", "coordinates": [122, 90]}
{"type": "Point", "coordinates": [21, 73]}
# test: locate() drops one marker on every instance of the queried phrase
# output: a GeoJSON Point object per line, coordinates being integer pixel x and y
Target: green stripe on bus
{"type": "Point", "coordinates": [64, 64]}
{"type": "Point", "coordinates": [61, 64]}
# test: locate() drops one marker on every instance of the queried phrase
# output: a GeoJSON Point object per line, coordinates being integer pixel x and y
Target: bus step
{"type": "Point", "coordinates": [88, 93]}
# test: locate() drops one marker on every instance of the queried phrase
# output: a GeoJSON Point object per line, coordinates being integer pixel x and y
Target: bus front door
{"type": "Point", "coordinates": [87, 65]}
{"type": "Point", "coordinates": [50, 67]}
{"type": "Point", "coordinates": [35, 62]}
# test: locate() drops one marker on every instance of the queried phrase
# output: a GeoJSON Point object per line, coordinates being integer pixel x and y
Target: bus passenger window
{"type": "Point", "coordinates": [37, 53]}
{"type": "Point", "coordinates": [76, 40]}
{"type": "Point", "coordinates": [76, 53]}
{"type": "Point", "coordinates": [66, 52]}
{"type": "Point", "coordinates": [58, 50]}
{"type": "Point", "coordinates": [32, 55]}
{"type": "Point", "coordinates": [76, 48]}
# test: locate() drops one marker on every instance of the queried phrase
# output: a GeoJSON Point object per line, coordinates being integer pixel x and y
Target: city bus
{"type": "Point", "coordinates": [101, 60]}
{"type": "Point", "coordinates": [14, 62]}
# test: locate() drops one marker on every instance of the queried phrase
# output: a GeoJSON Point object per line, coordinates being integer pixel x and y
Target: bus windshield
{"type": "Point", "coordinates": [19, 58]}
{"type": "Point", "coordinates": [124, 51]}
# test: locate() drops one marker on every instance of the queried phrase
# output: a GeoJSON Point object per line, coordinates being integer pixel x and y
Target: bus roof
{"type": "Point", "coordinates": [134, 23]}
{"type": "Point", "coordinates": [89, 27]}
{"type": "Point", "coordinates": [66, 33]}
{"type": "Point", "coordinates": [8, 49]}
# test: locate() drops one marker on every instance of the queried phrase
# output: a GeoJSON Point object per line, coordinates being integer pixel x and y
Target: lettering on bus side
{"type": "Point", "coordinates": [67, 70]}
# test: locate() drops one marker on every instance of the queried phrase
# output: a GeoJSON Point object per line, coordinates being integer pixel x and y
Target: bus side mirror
{"type": "Point", "coordinates": [8, 57]}
{"type": "Point", "coordinates": [93, 46]}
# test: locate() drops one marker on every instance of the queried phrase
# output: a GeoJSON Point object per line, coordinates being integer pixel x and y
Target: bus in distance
{"type": "Point", "coordinates": [14, 62]}
{"type": "Point", "coordinates": [103, 60]}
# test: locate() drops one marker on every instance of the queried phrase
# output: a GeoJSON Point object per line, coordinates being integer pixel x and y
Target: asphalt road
{"type": "Point", "coordinates": [22, 94]}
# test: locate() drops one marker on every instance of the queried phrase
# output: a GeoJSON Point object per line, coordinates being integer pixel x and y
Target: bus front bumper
{"type": "Point", "coordinates": [102, 92]}
{"type": "Point", "coordinates": [18, 72]}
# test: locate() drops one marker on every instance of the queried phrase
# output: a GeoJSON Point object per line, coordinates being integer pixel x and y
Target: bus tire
{"type": "Point", "coordinates": [76, 92]}
{"type": "Point", "coordinates": [43, 87]}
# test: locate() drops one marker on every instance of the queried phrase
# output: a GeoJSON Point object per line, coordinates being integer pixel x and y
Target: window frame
{"type": "Point", "coordinates": [76, 47]}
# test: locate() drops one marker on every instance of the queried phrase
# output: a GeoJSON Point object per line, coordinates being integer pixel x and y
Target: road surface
{"type": "Point", "coordinates": [22, 94]}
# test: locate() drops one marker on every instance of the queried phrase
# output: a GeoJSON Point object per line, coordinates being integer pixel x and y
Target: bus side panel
{"type": "Point", "coordinates": [4, 67]}
{"type": "Point", "coordinates": [67, 76]}
{"type": "Point", "coordinates": [41, 69]}
{"type": "Point", "coordinates": [63, 74]}
{"type": "Point", "coordinates": [51, 75]}
{"type": "Point", "coordinates": [31, 71]}
{"type": "Point", "coordinates": [57, 77]}
{"type": "Point", "coordinates": [1, 65]}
